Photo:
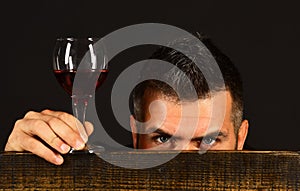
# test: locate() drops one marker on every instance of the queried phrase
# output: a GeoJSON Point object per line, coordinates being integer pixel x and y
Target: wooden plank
{"type": "Point", "coordinates": [214, 170]}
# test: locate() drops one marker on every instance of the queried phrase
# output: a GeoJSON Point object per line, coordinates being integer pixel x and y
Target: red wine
{"type": "Point", "coordinates": [66, 79]}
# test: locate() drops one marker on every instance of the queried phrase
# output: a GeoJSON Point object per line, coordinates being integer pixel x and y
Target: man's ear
{"type": "Point", "coordinates": [133, 131]}
{"type": "Point", "coordinates": [242, 134]}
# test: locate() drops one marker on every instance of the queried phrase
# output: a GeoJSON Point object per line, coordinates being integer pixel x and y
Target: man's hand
{"type": "Point", "coordinates": [58, 129]}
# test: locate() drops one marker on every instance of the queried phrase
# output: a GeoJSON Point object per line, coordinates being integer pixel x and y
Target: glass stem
{"type": "Point", "coordinates": [80, 104]}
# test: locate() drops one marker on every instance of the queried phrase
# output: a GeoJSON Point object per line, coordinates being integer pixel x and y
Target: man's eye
{"type": "Point", "coordinates": [209, 140]}
{"type": "Point", "coordinates": [162, 139]}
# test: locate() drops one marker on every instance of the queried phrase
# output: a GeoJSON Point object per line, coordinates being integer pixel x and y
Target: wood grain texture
{"type": "Point", "coordinates": [214, 170]}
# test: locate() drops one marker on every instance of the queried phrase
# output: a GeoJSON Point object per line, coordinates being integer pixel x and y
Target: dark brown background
{"type": "Point", "coordinates": [262, 38]}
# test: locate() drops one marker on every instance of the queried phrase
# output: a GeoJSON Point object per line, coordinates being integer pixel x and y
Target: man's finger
{"type": "Point", "coordinates": [89, 128]}
{"type": "Point", "coordinates": [70, 120]}
{"type": "Point", "coordinates": [58, 126]}
{"type": "Point", "coordinates": [41, 129]}
{"type": "Point", "coordinates": [36, 147]}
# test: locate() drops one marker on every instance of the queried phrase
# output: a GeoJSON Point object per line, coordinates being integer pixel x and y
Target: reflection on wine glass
{"type": "Point", "coordinates": [68, 54]}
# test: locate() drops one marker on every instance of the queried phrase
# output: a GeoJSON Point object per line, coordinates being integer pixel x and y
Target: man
{"type": "Point", "coordinates": [166, 125]}
{"type": "Point", "coordinates": [168, 133]}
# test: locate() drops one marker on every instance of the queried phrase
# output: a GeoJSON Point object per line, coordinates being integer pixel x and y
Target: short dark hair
{"type": "Point", "coordinates": [230, 75]}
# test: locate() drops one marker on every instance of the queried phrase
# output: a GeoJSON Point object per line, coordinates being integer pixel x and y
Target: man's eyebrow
{"type": "Point", "coordinates": [158, 131]}
{"type": "Point", "coordinates": [162, 132]}
{"type": "Point", "coordinates": [213, 134]}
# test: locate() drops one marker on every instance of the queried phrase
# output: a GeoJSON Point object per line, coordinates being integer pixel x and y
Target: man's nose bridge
{"type": "Point", "coordinates": [188, 126]}
{"type": "Point", "coordinates": [187, 132]}
{"type": "Point", "coordinates": [191, 146]}
{"type": "Point", "coordinates": [186, 145]}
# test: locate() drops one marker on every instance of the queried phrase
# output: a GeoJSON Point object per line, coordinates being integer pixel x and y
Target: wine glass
{"type": "Point", "coordinates": [69, 53]}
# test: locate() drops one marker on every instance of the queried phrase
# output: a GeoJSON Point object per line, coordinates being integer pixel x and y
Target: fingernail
{"type": "Point", "coordinates": [59, 159]}
{"type": "Point", "coordinates": [79, 145]}
{"type": "Point", "coordinates": [65, 147]}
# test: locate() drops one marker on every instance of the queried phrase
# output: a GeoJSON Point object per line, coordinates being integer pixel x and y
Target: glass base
{"type": "Point", "coordinates": [89, 148]}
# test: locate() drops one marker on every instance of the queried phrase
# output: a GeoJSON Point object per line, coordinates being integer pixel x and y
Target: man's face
{"type": "Point", "coordinates": [188, 125]}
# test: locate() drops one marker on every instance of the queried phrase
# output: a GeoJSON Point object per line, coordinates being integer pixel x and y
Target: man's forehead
{"type": "Point", "coordinates": [157, 104]}
{"type": "Point", "coordinates": [203, 115]}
